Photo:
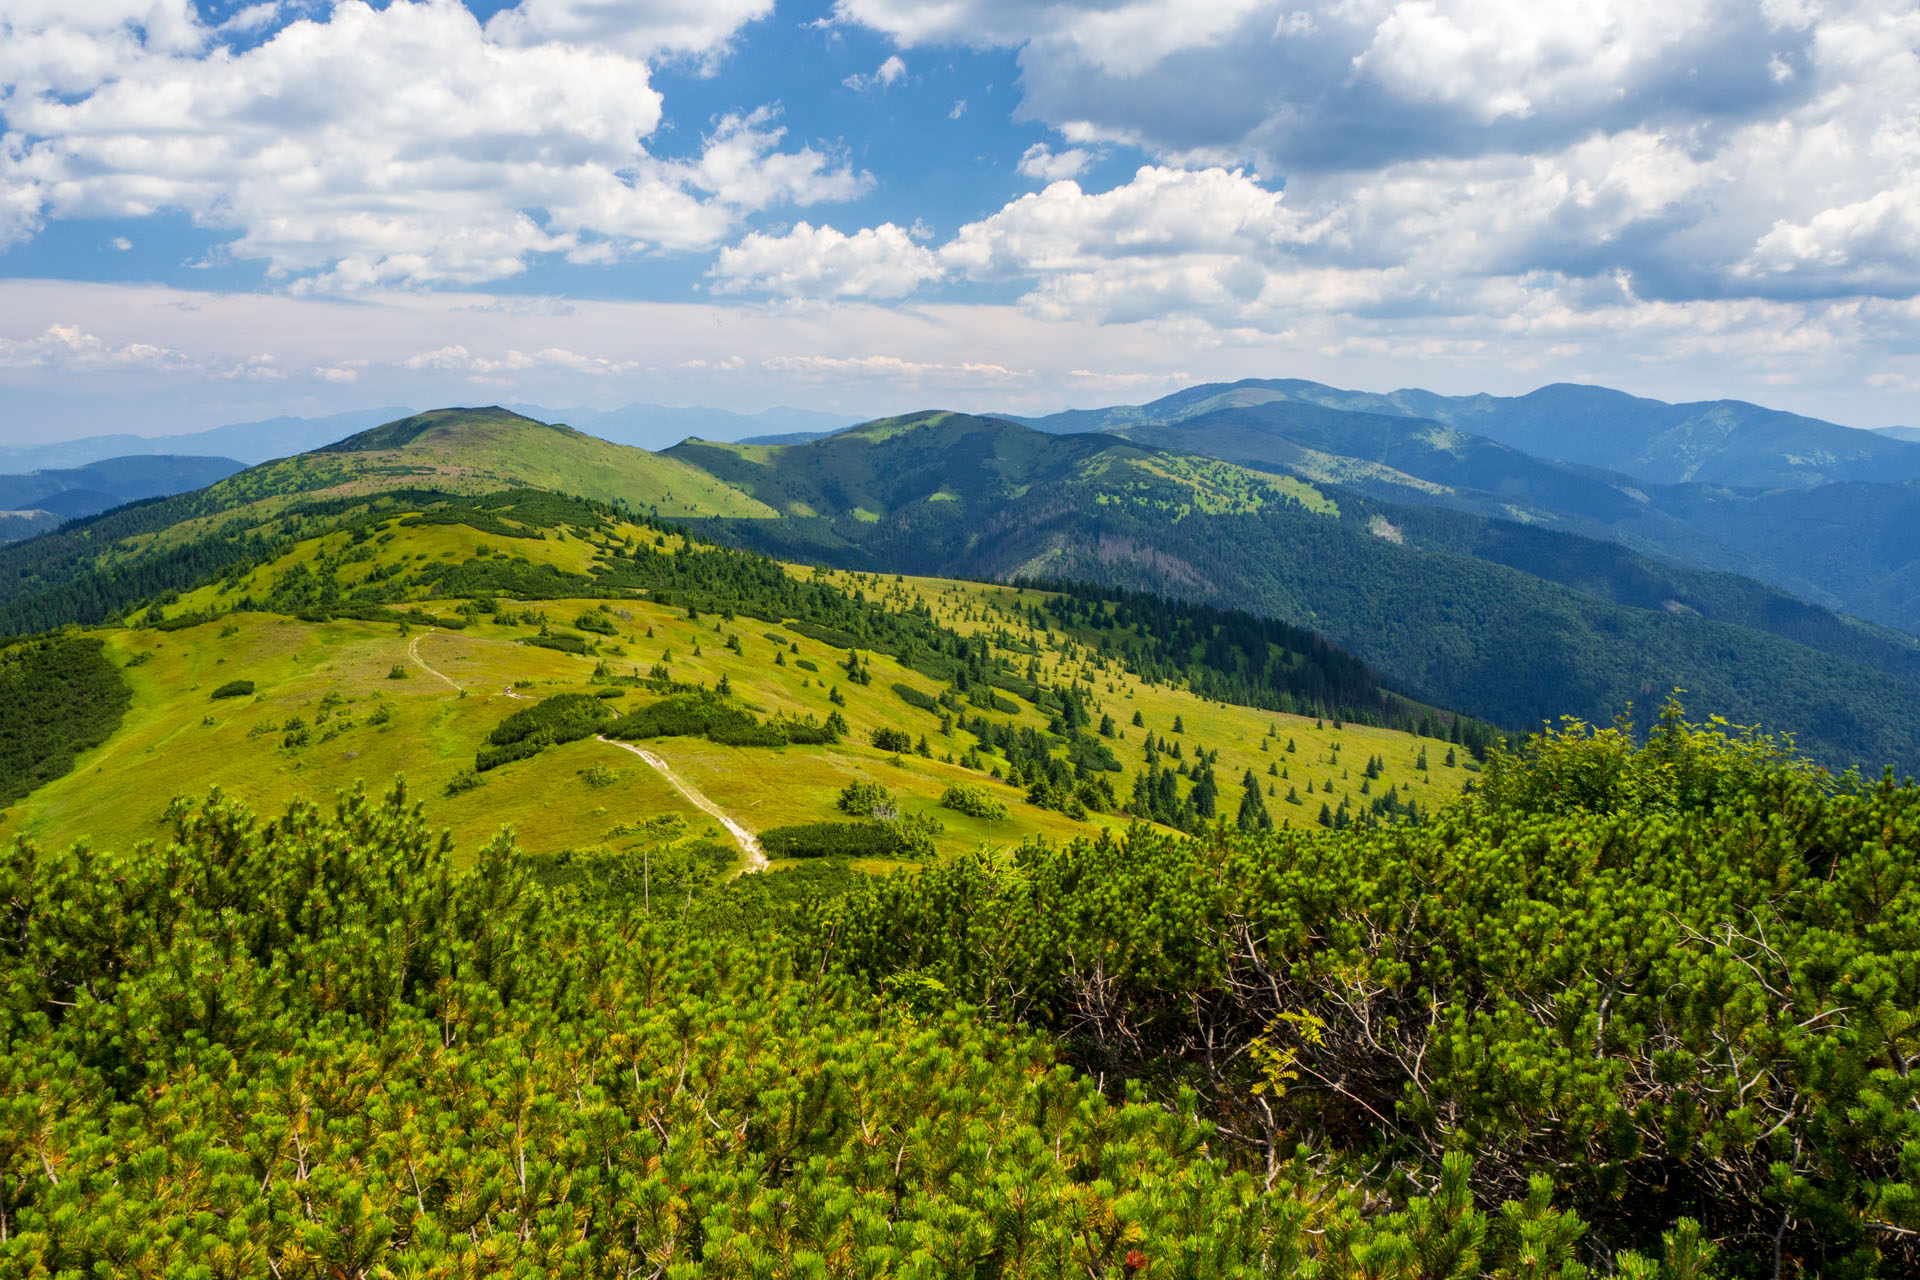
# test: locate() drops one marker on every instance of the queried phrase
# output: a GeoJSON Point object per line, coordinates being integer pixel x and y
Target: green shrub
{"type": "Point", "coordinates": [707, 714]}
{"type": "Point", "coordinates": [738, 729]}
{"type": "Point", "coordinates": [887, 738]}
{"type": "Point", "coordinates": [677, 716]}
{"type": "Point", "coordinates": [563, 643]}
{"type": "Point", "coordinates": [808, 732]}
{"type": "Point", "coordinates": [234, 689]}
{"type": "Point", "coordinates": [1638, 966]}
{"type": "Point", "coordinates": [981, 696]}
{"type": "Point", "coordinates": [915, 698]}
{"type": "Point", "coordinates": [865, 799]}
{"type": "Point", "coordinates": [566, 717]}
{"type": "Point", "coordinates": [834, 840]}
{"type": "Point", "coordinates": [57, 698]}
{"type": "Point", "coordinates": [974, 801]}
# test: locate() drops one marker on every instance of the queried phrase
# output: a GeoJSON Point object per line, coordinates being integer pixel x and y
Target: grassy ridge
{"type": "Point", "coordinates": [335, 679]}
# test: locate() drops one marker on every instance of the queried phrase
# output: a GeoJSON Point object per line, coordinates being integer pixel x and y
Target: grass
{"type": "Point", "coordinates": [335, 677]}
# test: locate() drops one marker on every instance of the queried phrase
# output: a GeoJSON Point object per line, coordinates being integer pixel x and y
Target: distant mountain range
{"type": "Point", "coordinates": [1725, 442]}
{"type": "Point", "coordinates": [1901, 433]}
{"type": "Point", "coordinates": [250, 442]}
{"type": "Point", "coordinates": [41, 500]}
{"type": "Point", "coordinates": [1508, 620]}
{"type": "Point", "coordinates": [1827, 513]}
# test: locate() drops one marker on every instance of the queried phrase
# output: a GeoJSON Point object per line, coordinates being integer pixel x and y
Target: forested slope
{"type": "Point", "coordinates": [1458, 611]}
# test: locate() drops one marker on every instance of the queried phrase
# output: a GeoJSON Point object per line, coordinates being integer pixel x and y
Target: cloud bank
{"type": "Point", "coordinates": [399, 145]}
{"type": "Point", "coordinates": [1666, 193]}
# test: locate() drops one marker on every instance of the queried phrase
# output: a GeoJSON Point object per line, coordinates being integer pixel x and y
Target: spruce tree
{"type": "Point", "coordinates": [1253, 814]}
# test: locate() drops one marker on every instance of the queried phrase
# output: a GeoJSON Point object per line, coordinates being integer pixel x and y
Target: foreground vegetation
{"type": "Point", "coordinates": [1680, 979]}
{"type": "Point", "coordinates": [1636, 1011]}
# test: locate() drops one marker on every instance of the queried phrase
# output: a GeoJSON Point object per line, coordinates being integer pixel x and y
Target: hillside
{"type": "Point", "coordinates": [1509, 623]}
{"type": "Point", "coordinates": [18, 525]}
{"type": "Point", "coordinates": [104, 564]}
{"type": "Point", "coordinates": [850, 923]}
{"type": "Point", "coordinates": [1644, 1010]}
{"type": "Point", "coordinates": [972, 465]}
{"type": "Point", "coordinates": [477, 450]}
{"type": "Point", "coordinates": [398, 642]}
{"type": "Point", "coordinates": [1512, 624]}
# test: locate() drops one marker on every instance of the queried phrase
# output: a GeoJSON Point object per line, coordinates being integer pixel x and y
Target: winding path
{"type": "Point", "coordinates": [413, 652]}
{"type": "Point", "coordinates": [749, 843]}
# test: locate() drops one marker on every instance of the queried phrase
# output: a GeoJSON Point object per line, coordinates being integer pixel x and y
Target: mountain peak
{"type": "Point", "coordinates": [945, 421]}
{"type": "Point", "coordinates": [441, 426]}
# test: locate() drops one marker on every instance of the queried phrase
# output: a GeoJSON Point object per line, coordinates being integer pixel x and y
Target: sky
{"type": "Point", "coordinates": [220, 210]}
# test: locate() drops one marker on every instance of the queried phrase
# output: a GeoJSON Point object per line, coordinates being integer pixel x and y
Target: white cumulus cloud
{"type": "Point", "coordinates": [889, 72]}
{"type": "Point", "coordinates": [1041, 162]}
{"type": "Point", "coordinates": [820, 262]}
{"type": "Point", "coordinates": [637, 27]}
{"type": "Point", "coordinates": [69, 348]}
{"type": "Point", "coordinates": [1695, 151]}
{"type": "Point", "coordinates": [402, 144]}
{"type": "Point", "coordinates": [456, 358]}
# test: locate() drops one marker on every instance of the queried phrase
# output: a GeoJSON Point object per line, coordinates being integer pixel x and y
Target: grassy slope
{"type": "Point", "coordinates": [168, 748]}
{"type": "Point", "coordinates": [480, 450]}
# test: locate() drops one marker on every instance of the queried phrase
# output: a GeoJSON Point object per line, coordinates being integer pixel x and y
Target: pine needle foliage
{"type": "Point", "coordinates": [1674, 978]}
{"type": "Point", "coordinates": [313, 1048]}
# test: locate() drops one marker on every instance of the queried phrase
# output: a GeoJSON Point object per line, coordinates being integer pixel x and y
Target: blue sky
{"type": "Point", "coordinates": [220, 210]}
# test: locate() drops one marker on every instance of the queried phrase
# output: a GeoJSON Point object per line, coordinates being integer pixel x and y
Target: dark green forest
{"type": "Point", "coordinates": [58, 697]}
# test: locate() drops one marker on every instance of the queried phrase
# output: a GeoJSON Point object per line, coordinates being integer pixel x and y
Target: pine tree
{"type": "Point", "coordinates": [1253, 814]}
